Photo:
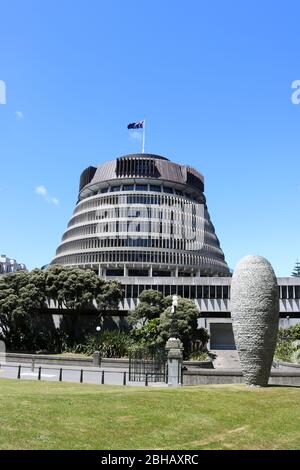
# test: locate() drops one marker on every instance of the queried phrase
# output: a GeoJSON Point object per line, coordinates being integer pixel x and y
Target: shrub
{"type": "Point", "coordinates": [292, 333]}
{"type": "Point", "coordinates": [198, 356]}
{"type": "Point", "coordinates": [110, 343]}
{"type": "Point", "coordinates": [284, 350]}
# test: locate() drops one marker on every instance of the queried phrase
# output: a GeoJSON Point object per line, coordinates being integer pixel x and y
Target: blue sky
{"type": "Point", "coordinates": [213, 80]}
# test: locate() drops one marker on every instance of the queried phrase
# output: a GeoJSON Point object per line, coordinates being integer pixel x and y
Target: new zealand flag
{"type": "Point", "coordinates": [136, 125]}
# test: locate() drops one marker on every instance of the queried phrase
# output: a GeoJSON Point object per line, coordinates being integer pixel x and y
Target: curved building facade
{"type": "Point", "coordinates": [142, 215]}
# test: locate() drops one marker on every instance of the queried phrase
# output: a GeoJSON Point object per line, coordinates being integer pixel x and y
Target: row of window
{"type": "Point", "coordinates": [131, 227]}
{"type": "Point", "coordinates": [184, 213]}
{"type": "Point", "coordinates": [143, 187]}
{"type": "Point", "coordinates": [188, 292]}
{"type": "Point", "coordinates": [93, 229]}
{"type": "Point", "coordinates": [161, 200]}
{"type": "Point", "coordinates": [156, 257]}
{"type": "Point", "coordinates": [165, 243]}
{"type": "Point", "coordinates": [202, 292]}
{"type": "Point", "coordinates": [289, 292]}
{"type": "Point", "coordinates": [140, 187]}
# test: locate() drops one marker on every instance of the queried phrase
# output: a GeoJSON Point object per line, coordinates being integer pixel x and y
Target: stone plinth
{"type": "Point", "coordinates": [175, 357]}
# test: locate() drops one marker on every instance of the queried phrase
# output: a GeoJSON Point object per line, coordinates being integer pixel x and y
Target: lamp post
{"type": "Point", "coordinates": [98, 329]}
{"type": "Point", "coordinates": [174, 326]}
{"type": "Point", "coordinates": [174, 349]}
{"type": "Point", "coordinates": [96, 355]}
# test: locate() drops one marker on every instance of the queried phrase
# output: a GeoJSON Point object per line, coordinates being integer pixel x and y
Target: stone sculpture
{"type": "Point", "coordinates": [255, 315]}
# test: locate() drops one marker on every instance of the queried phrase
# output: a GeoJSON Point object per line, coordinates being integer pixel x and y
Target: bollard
{"type": "Point", "coordinates": [60, 375]}
{"type": "Point", "coordinates": [124, 378]}
{"type": "Point", "coordinates": [146, 381]}
{"type": "Point", "coordinates": [19, 372]}
{"type": "Point", "coordinates": [81, 376]}
{"type": "Point", "coordinates": [102, 378]}
{"type": "Point", "coordinates": [40, 373]}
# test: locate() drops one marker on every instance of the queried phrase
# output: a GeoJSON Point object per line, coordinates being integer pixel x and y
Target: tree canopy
{"type": "Point", "coordinates": [152, 320]}
{"type": "Point", "coordinates": [24, 294]}
{"type": "Point", "coordinates": [296, 270]}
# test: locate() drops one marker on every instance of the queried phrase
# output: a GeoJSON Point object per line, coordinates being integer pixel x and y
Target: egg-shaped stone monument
{"type": "Point", "coordinates": [255, 315]}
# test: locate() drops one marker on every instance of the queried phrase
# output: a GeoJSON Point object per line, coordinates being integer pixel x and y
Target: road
{"type": "Point", "coordinates": [91, 375]}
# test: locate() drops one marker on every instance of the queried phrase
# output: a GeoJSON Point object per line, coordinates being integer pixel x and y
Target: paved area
{"type": "Point", "coordinates": [226, 359]}
{"type": "Point", "coordinates": [91, 375]}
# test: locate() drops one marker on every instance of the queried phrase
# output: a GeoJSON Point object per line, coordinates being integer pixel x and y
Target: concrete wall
{"type": "Point", "coordinates": [213, 377]}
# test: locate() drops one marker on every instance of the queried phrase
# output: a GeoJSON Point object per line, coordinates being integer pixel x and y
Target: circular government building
{"type": "Point", "coordinates": [142, 215]}
{"type": "Point", "coordinates": [143, 220]}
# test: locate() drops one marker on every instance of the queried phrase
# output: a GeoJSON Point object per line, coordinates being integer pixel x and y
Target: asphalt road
{"type": "Point", "coordinates": [91, 375]}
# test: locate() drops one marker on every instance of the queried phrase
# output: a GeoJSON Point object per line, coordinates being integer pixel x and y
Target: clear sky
{"type": "Point", "coordinates": [213, 80]}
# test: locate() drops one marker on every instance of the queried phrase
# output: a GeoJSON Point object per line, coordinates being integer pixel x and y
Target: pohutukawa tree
{"type": "Point", "coordinates": [24, 295]}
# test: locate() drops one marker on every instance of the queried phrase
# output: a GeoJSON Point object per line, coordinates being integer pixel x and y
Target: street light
{"type": "Point", "coordinates": [96, 355]}
{"type": "Point", "coordinates": [174, 318]}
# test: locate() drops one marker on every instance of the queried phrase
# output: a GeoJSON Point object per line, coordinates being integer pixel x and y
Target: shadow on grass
{"type": "Point", "coordinates": [282, 386]}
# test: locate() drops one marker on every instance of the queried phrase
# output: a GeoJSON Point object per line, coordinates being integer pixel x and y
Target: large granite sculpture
{"type": "Point", "coordinates": [255, 314]}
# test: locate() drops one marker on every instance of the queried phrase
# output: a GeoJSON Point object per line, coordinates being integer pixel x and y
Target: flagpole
{"type": "Point", "coordinates": [144, 126]}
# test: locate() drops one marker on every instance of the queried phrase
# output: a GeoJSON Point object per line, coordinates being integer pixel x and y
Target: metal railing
{"type": "Point", "coordinates": [60, 372]}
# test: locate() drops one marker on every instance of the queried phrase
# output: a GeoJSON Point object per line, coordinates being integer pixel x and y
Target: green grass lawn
{"type": "Point", "coordinates": [45, 415]}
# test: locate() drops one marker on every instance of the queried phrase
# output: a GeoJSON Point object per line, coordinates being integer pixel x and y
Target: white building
{"type": "Point", "coordinates": [9, 265]}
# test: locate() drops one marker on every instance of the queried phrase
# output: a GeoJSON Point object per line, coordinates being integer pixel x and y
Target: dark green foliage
{"type": "Point", "coordinates": [114, 343]}
{"type": "Point", "coordinates": [147, 334]}
{"type": "Point", "coordinates": [24, 295]}
{"type": "Point", "coordinates": [284, 350]}
{"type": "Point", "coordinates": [186, 319]}
{"type": "Point", "coordinates": [79, 289]}
{"type": "Point", "coordinates": [150, 307]}
{"type": "Point", "coordinates": [296, 271]}
{"type": "Point", "coordinates": [151, 322]}
{"type": "Point", "coordinates": [287, 343]}
{"type": "Point", "coordinates": [292, 333]}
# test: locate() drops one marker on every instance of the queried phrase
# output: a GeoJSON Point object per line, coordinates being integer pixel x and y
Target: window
{"type": "Point", "coordinates": [135, 292]}
{"type": "Point", "coordinates": [154, 187]}
{"type": "Point", "coordinates": [141, 187]}
{"type": "Point", "coordinates": [114, 272]}
{"type": "Point", "coordinates": [115, 188]}
{"type": "Point", "coordinates": [166, 189]}
{"type": "Point", "coordinates": [225, 292]}
{"type": "Point", "coordinates": [283, 292]}
{"type": "Point", "coordinates": [212, 292]}
{"type": "Point", "coordinates": [167, 290]}
{"type": "Point", "coordinates": [137, 272]}
{"type": "Point", "coordinates": [128, 187]}
{"type": "Point", "coordinates": [186, 292]}
{"type": "Point", "coordinates": [291, 292]}
{"type": "Point", "coordinates": [199, 292]}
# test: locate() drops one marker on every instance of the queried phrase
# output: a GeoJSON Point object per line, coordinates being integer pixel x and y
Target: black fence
{"type": "Point", "coordinates": [65, 375]}
{"type": "Point", "coordinates": [148, 366]}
